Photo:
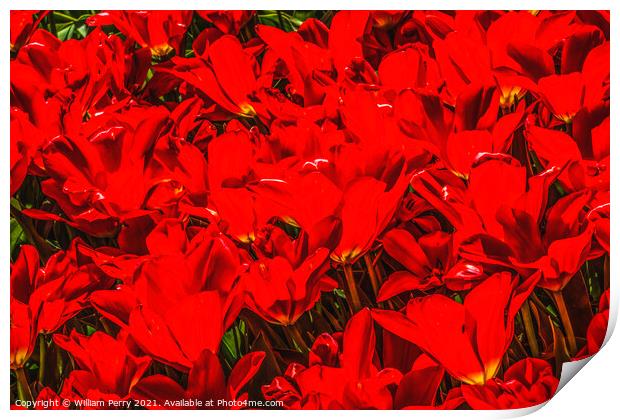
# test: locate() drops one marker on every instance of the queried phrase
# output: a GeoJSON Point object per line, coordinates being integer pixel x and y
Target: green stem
{"type": "Point", "coordinates": [543, 308]}
{"type": "Point", "coordinates": [297, 338]}
{"type": "Point", "coordinates": [42, 357]}
{"type": "Point", "coordinates": [33, 237]}
{"type": "Point", "coordinates": [106, 326]}
{"type": "Point", "coordinates": [52, 23]}
{"type": "Point", "coordinates": [568, 327]}
{"type": "Point", "coordinates": [59, 364]}
{"type": "Point", "coordinates": [374, 282]}
{"type": "Point", "coordinates": [526, 315]}
{"type": "Point", "coordinates": [355, 303]}
{"type": "Point", "coordinates": [280, 20]}
{"type": "Point", "coordinates": [236, 339]}
{"type": "Point", "coordinates": [520, 346]}
{"type": "Point", "coordinates": [23, 389]}
{"type": "Point", "coordinates": [65, 17]}
{"type": "Point", "coordinates": [606, 273]}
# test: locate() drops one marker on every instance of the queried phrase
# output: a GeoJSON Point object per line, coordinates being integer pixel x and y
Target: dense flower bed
{"type": "Point", "coordinates": [323, 209]}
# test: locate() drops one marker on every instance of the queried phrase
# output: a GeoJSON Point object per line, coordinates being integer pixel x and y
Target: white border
{"type": "Point", "coordinates": [592, 395]}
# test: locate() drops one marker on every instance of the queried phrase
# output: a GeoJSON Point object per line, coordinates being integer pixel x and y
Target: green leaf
{"type": "Point", "coordinates": [15, 203]}
{"type": "Point", "coordinates": [82, 30]}
{"type": "Point", "coordinates": [18, 236]}
{"type": "Point", "coordinates": [552, 310]}
{"type": "Point", "coordinates": [228, 342]}
{"type": "Point", "coordinates": [66, 32]}
{"type": "Point", "coordinates": [340, 292]}
{"type": "Point", "coordinates": [90, 330]}
{"type": "Point", "coordinates": [279, 19]}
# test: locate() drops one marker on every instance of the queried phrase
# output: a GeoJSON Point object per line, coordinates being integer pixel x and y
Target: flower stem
{"type": "Point", "coordinates": [374, 281]}
{"type": "Point", "coordinates": [606, 272]}
{"type": "Point", "coordinates": [355, 303]}
{"type": "Point", "coordinates": [568, 327]}
{"type": "Point", "coordinates": [59, 365]}
{"type": "Point", "coordinates": [526, 315]}
{"type": "Point", "coordinates": [42, 356]}
{"type": "Point", "coordinates": [23, 389]}
{"type": "Point", "coordinates": [45, 249]}
{"type": "Point", "coordinates": [106, 326]}
{"type": "Point", "coordinates": [52, 23]}
{"type": "Point", "coordinates": [298, 338]}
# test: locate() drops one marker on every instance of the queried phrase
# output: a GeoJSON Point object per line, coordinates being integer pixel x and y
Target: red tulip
{"type": "Point", "coordinates": [410, 67]}
{"type": "Point", "coordinates": [463, 60]}
{"type": "Point", "coordinates": [563, 94]}
{"type": "Point", "coordinates": [368, 205]}
{"type": "Point", "coordinates": [338, 378]}
{"type": "Point", "coordinates": [599, 216]}
{"type": "Point", "coordinates": [597, 329]}
{"type": "Point", "coordinates": [44, 298]}
{"type": "Point", "coordinates": [107, 368]}
{"type": "Point", "coordinates": [235, 168]}
{"type": "Point", "coordinates": [527, 383]}
{"type": "Point", "coordinates": [24, 147]}
{"type": "Point", "coordinates": [345, 31]}
{"type": "Point", "coordinates": [459, 137]}
{"type": "Point", "coordinates": [585, 154]}
{"type": "Point", "coordinates": [282, 286]}
{"type": "Point", "coordinates": [206, 381]}
{"type": "Point", "coordinates": [160, 30]}
{"type": "Point", "coordinates": [563, 247]}
{"type": "Point", "coordinates": [468, 339]}
{"type": "Point", "coordinates": [89, 173]}
{"type": "Point", "coordinates": [23, 333]}
{"type": "Point", "coordinates": [226, 74]}
{"type": "Point", "coordinates": [50, 95]}
{"type": "Point", "coordinates": [58, 84]}
{"type": "Point", "coordinates": [23, 24]}
{"type": "Point", "coordinates": [303, 60]}
{"type": "Point", "coordinates": [46, 400]}
{"type": "Point", "coordinates": [465, 155]}
{"type": "Point", "coordinates": [429, 261]}
{"type": "Point", "coordinates": [566, 94]}
{"type": "Point", "coordinates": [499, 205]}
{"type": "Point", "coordinates": [160, 314]}
{"type": "Point", "coordinates": [227, 21]}
{"type": "Point", "coordinates": [364, 204]}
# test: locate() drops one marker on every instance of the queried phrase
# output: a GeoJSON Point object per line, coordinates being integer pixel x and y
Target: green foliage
{"type": "Point", "coordinates": [18, 237]}
{"type": "Point", "coordinates": [232, 343]}
{"type": "Point", "coordinates": [289, 20]}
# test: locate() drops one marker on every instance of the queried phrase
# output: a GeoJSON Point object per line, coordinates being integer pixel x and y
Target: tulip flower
{"type": "Point", "coordinates": [469, 339]}
{"type": "Point", "coordinates": [338, 378]}
{"type": "Point", "coordinates": [597, 329]}
{"type": "Point", "coordinates": [226, 76]}
{"type": "Point", "coordinates": [205, 194]}
{"type": "Point", "coordinates": [159, 314]}
{"type": "Point", "coordinates": [23, 23]}
{"type": "Point", "coordinates": [161, 31]}
{"type": "Point", "coordinates": [89, 185]}
{"type": "Point", "coordinates": [282, 287]}
{"type": "Point", "coordinates": [44, 298]}
{"type": "Point", "coordinates": [527, 383]}
{"type": "Point", "coordinates": [227, 21]}
{"type": "Point", "coordinates": [428, 261]}
{"type": "Point", "coordinates": [206, 382]}
{"type": "Point", "coordinates": [490, 229]}
{"type": "Point", "coordinates": [107, 368]}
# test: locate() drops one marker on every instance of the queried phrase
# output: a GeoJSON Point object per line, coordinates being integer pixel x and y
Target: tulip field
{"type": "Point", "coordinates": [306, 209]}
